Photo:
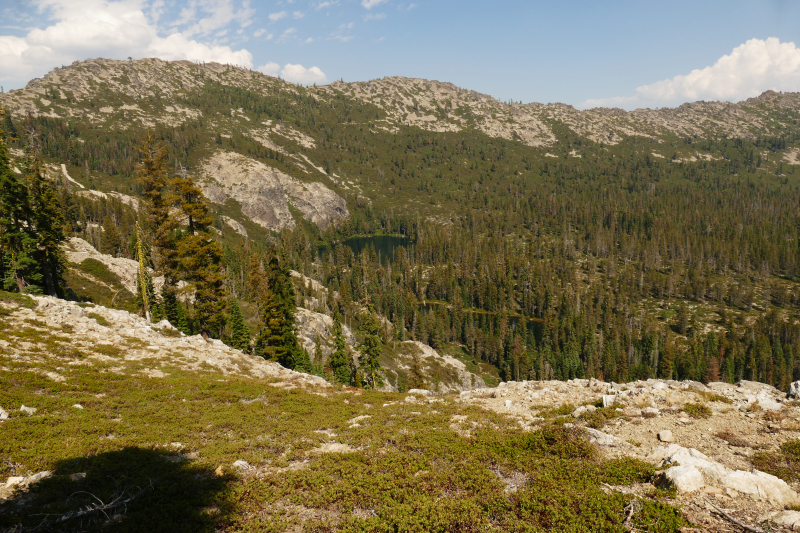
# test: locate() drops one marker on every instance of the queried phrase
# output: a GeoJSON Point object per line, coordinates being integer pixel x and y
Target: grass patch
{"type": "Point", "coordinates": [732, 438]}
{"type": "Point", "coordinates": [785, 463]}
{"type": "Point", "coordinates": [697, 410]}
{"type": "Point", "coordinates": [100, 319]}
{"type": "Point", "coordinates": [16, 298]}
{"type": "Point", "coordinates": [713, 397]}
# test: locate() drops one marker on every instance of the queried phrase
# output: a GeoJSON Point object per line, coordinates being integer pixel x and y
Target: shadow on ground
{"type": "Point", "coordinates": [130, 490]}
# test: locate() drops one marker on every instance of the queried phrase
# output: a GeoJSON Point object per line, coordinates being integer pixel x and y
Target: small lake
{"type": "Point", "coordinates": [385, 245]}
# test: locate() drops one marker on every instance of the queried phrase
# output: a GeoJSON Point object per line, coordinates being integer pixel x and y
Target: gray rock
{"type": "Point", "coordinates": [78, 476]}
{"type": "Point", "coordinates": [683, 478]}
{"type": "Point", "coordinates": [609, 399]}
{"type": "Point", "coordinates": [651, 411]}
{"type": "Point", "coordinates": [3, 414]}
{"type": "Point", "coordinates": [761, 486]}
{"type": "Point", "coordinates": [794, 390]}
{"type": "Point", "coordinates": [602, 439]}
{"type": "Point", "coordinates": [666, 435]}
{"type": "Point", "coordinates": [78, 406]}
{"type": "Point", "coordinates": [788, 519]}
{"type": "Point", "coordinates": [421, 392]}
{"type": "Point", "coordinates": [28, 410]}
{"type": "Point", "coordinates": [242, 465]}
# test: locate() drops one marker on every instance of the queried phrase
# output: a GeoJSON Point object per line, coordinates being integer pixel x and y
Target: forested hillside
{"type": "Point", "coordinates": [539, 240]}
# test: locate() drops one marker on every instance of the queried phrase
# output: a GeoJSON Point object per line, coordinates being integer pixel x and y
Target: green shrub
{"type": "Point", "coordinates": [100, 319]}
{"type": "Point", "coordinates": [697, 410]}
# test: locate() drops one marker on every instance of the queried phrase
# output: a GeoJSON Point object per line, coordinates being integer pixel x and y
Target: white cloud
{"type": "Point", "coordinates": [750, 69]}
{"type": "Point", "coordinates": [274, 17]}
{"type": "Point", "coordinates": [369, 4]}
{"type": "Point", "coordinates": [375, 16]}
{"type": "Point", "coordinates": [294, 73]}
{"type": "Point", "coordinates": [270, 69]}
{"type": "Point", "coordinates": [310, 40]}
{"type": "Point", "coordinates": [327, 4]}
{"type": "Point", "coordinates": [298, 14]}
{"type": "Point", "coordinates": [300, 74]}
{"type": "Point", "coordinates": [259, 32]}
{"type": "Point", "coordinates": [286, 34]}
{"type": "Point", "coordinates": [113, 29]}
{"type": "Point", "coordinates": [348, 26]}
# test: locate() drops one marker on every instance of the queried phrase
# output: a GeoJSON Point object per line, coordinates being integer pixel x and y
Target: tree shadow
{"type": "Point", "coordinates": [128, 490]}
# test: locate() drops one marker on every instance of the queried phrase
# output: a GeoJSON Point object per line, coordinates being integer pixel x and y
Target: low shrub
{"type": "Point", "coordinates": [697, 410]}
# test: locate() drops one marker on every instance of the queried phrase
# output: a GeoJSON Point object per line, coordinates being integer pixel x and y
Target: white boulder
{"type": "Point", "coordinates": [762, 486]}
{"type": "Point", "coordinates": [684, 478]}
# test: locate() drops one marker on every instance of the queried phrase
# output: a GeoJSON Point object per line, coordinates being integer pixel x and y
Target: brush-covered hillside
{"type": "Point", "coordinates": [525, 240]}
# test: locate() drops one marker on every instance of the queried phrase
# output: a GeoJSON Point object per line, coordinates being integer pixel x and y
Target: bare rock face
{"type": "Point", "coordinates": [445, 373]}
{"type": "Point", "coordinates": [265, 193]}
{"type": "Point", "coordinates": [310, 326]}
{"type": "Point", "coordinates": [77, 250]}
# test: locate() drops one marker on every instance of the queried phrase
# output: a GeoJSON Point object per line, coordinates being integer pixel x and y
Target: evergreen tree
{"type": "Point", "coordinates": [112, 242]}
{"type": "Point", "coordinates": [370, 347]}
{"type": "Point", "coordinates": [240, 333]}
{"type": "Point", "coordinates": [198, 259]}
{"type": "Point", "coordinates": [338, 362]}
{"type": "Point", "coordinates": [47, 225]}
{"type": "Point", "coordinates": [277, 340]}
{"type": "Point", "coordinates": [416, 378]}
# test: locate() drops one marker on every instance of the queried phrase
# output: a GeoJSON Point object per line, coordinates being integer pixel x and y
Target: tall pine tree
{"type": "Point", "coordinates": [339, 365]}
{"type": "Point", "coordinates": [277, 340]}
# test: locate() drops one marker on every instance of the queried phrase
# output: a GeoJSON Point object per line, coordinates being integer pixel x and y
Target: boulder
{"type": "Point", "coordinates": [794, 390]}
{"type": "Point", "coordinates": [650, 412]}
{"type": "Point", "coordinates": [421, 392]}
{"type": "Point", "coordinates": [762, 486]}
{"type": "Point", "coordinates": [608, 400]}
{"type": "Point", "coordinates": [3, 414]}
{"type": "Point", "coordinates": [242, 466]}
{"type": "Point", "coordinates": [602, 439]}
{"type": "Point", "coordinates": [684, 478]}
{"type": "Point", "coordinates": [666, 435]}
{"type": "Point", "coordinates": [28, 410]}
{"type": "Point", "coordinates": [787, 519]}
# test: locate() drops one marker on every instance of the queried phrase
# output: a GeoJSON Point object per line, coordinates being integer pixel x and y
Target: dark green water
{"type": "Point", "coordinates": [385, 245]}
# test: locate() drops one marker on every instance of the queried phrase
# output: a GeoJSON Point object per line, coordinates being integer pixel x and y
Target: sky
{"type": "Point", "coordinates": [626, 54]}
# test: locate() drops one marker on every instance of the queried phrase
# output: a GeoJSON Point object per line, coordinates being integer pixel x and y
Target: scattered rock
{"type": "Point", "coordinates": [650, 412]}
{"type": "Point", "coordinates": [421, 392]}
{"type": "Point", "coordinates": [14, 480]}
{"type": "Point", "coordinates": [608, 400]}
{"type": "Point", "coordinates": [219, 472]}
{"type": "Point", "coordinates": [583, 409]}
{"type": "Point", "coordinates": [666, 436]}
{"type": "Point", "coordinates": [78, 406]}
{"type": "Point", "coordinates": [509, 403]}
{"type": "Point", "coordinates": [78, 476]}
{"type": "Point", "coordinates": [28, 410]}
{"type": "Point", "coordinates": [794, 390]}
{"type": "Point", "coordinates": [3, 414]}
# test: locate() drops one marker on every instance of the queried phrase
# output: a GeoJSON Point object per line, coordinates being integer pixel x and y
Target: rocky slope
{"type": "Point", "coordinates": [428, 104]}
{"type": "Point", "coordinates": [705, 458]}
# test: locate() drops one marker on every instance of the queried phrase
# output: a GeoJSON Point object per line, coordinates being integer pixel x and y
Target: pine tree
{"type": "Point", "coordinates": [277, 340]}
{"type": "Point", "coordinates": [338, 362]}
{"type": "Point", "coordinates": [370, 347]}
{"type": "Point", "coordinates": [111, 243]}
{"type": "Point", "coordinates": [46, 225]}
{"type": "Point", "coordinates": [144, 282]}
{"type": "Point", "coordinates": [416, 379]}
{"type": "Point", "coordinates": [198, 258]}
{"type": "Point", "coordinates": [240, 333]}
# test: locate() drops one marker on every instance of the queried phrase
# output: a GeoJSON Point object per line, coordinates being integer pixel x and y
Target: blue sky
{"type": "Point", "coordinates": [628, 54]}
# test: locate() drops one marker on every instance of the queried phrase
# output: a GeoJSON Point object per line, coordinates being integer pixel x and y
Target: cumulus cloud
{"type": "Point", "coordinates": [300, 74]}
{"type": "Point", "coordinates": [369, 4]}
{"type": "Point", "coordinates": [375, 16]}
{"type": "Point", "coordinates": [274, 17]}
{"type": "Point", "coordinates": [114, 29]}
{"type": "Point", "coordinates": [270, 69]}
{"type": "Point", "coordinates": [294, 73]}
{"type": "Point", "coordinates": [750, 69]}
